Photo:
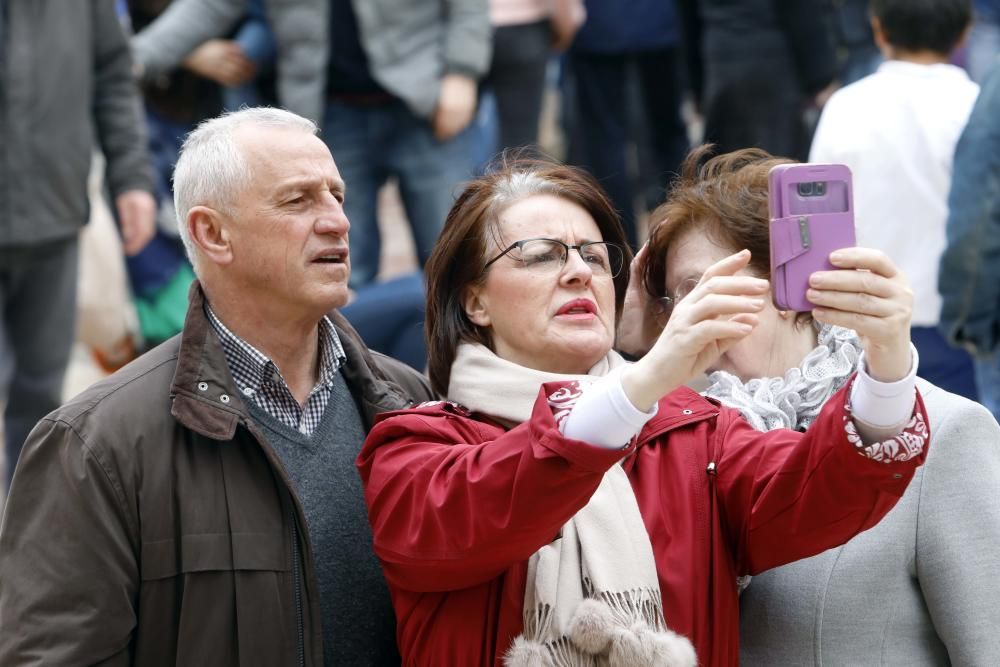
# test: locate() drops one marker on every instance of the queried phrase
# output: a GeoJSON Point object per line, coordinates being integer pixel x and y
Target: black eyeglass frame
{"type": "Point", "coordinates": [663, 306]}
{"type": "Point", "coordinates": [578, 247]}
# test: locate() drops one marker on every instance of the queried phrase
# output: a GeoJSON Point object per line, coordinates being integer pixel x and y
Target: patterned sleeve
{"type": "Point", "coordinates": [905, 445]}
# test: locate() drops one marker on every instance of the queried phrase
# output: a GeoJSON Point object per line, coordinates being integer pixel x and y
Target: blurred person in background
{"type": "Point", "coordinates": [393, 82]}
{"type": "Point", "coordinates": [897, 130]}
{"type": "Point", "coordinates": [857, 54]}
{"type": "Point", "coordinates": [984, 39]}
{"type": "Point", "coordinates": [66, 88]}
{"type": "Point", "coordinates": [611, 50]}
{"type": "Point", "coordinates": [919, 587]}
{"type": "Point", "coordinates": [175, 101]}
{"type": "Point", "coordinates": [763, 63]}
{"type": "Point", "coordinates": [525, 35]}
{"type": "Point", "coordinates": [969, 278]}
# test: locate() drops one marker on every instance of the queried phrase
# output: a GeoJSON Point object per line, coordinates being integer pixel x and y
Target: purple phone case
{"type": "Point", "coordinates": [805, 230]}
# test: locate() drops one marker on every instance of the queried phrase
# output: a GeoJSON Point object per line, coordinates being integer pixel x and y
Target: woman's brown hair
{"type": "Point", "coordinates": [472, 229]}
{"type": "Point", "coordinates": [724, 197]}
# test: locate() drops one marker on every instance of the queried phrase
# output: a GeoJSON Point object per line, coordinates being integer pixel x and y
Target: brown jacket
{"type": "Point", "coordinates": [150, 523]}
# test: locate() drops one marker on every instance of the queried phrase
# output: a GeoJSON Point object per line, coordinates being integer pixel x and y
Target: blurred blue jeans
{"type": "Point", "coordinates": [165, 139]}
{"type": "Point", "coordinates": [370, 144]}
{"type": "Point", "coordinates": [984, 46]}
{"type": "Point", "coordinates": [389, 316]}
{"type": "Point", "coordinates": [969, 277]}
{"type": "Point", "coordinates": [988, 382]}
{"type": "Point", "coordinates": [948, 367]}
{"type": "Point", "coordinates": [259, 45]}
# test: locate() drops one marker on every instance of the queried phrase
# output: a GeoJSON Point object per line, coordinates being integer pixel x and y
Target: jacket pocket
{"type": "Point", "coordinates": [207, 552]}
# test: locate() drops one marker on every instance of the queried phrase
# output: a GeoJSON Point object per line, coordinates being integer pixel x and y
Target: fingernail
{"type": "Point", "coordinates": [757, 303]}
{"type": "Point", "coordinates": [836, 257]}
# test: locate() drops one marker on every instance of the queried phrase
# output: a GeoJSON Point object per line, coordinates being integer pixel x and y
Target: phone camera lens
{"type": "Point", "coordinates": [805, 189]}
{"type": "Point", "coordinates": [819, 188]}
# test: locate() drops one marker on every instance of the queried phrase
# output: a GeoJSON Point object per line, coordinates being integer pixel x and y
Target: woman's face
{"type": "Point", "coordinates": [774, 346]}
{"type": "Point", "coordinates": [556, 319]}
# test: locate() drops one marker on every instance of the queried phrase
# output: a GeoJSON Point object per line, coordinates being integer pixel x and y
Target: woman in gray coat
{"type": "Point", "coordinates": [921, 587]}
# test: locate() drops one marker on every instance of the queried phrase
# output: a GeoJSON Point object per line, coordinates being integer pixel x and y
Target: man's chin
{"type": "Point", "coordinates": [340, 297]}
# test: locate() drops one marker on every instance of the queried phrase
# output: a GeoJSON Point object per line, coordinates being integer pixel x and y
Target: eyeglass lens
{"type": "Point", "coordinates": [549, 254]}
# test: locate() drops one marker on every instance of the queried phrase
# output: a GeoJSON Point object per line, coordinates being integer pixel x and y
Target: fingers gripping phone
{"type": "Point", "coordinates": [811, 208]}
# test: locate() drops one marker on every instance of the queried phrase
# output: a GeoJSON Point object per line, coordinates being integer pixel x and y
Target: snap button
{"type": "Point", "coordinates": [224, 398]}
{"type": "Point", "coordinates": [202, 386]}
{"type": "Point", "coordinates": [687, 412]}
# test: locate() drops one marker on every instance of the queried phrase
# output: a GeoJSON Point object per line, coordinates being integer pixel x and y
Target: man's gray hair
{"type": "Point", "coordinates": [211, 168]}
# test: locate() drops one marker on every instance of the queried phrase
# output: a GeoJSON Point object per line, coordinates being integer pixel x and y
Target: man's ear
{"type": "Point", "coordinates": [476, 307]}
{"type": "Point", "coordinates": [209, 234]}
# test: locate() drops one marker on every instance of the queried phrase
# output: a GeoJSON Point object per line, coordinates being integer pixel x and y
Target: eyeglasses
{"type": "Point", "coordinates": [549, 256]}
{"type": "Point", "coordinates": [664, 306]}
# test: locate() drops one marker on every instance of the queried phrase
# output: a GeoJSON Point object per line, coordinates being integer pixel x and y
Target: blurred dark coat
{"type": "Point", "coordinates": [760, 62]}
{"type": "Point", "coordinates": [627, 26]}
{"type": "Point", "coordinates": [66, 88]}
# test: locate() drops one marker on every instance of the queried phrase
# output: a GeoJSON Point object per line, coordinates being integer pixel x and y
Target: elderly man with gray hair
{"type": "Point", "coordinates": [201, 506]}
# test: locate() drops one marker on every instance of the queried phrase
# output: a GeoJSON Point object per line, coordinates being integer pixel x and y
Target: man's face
{"type": "Point", "coordinates": [288, 230]}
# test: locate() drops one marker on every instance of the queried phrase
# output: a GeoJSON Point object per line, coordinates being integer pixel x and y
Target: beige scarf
{"type": "Point", "coordinates": [592, 596]}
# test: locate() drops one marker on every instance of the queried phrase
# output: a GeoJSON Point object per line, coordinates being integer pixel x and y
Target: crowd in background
{"type": "Point", "coordinates": [627, 89]}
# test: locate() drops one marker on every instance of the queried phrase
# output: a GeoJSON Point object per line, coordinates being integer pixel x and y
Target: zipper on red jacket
{"type": "Point", "coordinates": [297, 576]}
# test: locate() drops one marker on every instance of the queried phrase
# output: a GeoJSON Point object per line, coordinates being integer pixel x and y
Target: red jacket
{"type": "Point", "coordinates": [457, 505]}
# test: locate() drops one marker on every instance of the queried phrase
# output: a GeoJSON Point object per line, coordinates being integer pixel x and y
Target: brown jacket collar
{"type": "Point", "coordinates": [207, 401]}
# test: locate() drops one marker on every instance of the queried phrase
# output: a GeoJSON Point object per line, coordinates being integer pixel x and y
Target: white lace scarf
{"type": "Point", "coordinates": [592, 595]}
{"type": "Point", "coordinates": [795, 400]}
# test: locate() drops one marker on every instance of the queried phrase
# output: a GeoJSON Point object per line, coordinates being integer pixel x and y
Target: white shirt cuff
{"type": "Point", "coordinates": [884, 404]}
{"type": "Point", "coordinates": [603, 415]}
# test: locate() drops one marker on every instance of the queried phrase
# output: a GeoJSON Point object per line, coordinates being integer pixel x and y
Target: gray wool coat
{"type": "Point", "coordinates": [920, 588]}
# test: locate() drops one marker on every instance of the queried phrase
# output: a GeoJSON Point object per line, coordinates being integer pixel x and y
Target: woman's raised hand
{"type": "Point", "coordinates": [872, 296]}
{"type": "Point", "coordinates": [720, 311]}
{"type": "Point", "coordinates": [637, 327]}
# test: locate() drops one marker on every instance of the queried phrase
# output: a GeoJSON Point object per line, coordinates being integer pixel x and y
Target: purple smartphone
{"type": "Point", "coordinates": [812, 214]}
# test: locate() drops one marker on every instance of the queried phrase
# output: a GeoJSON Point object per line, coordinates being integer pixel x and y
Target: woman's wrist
{"type": "Point", "coordinates": [889, 363]}
{"type": "Point", "coordinates": [645, 382]}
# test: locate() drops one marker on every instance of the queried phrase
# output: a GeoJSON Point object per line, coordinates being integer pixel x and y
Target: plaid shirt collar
{"type": "Point", "coordinates": [252, 369]}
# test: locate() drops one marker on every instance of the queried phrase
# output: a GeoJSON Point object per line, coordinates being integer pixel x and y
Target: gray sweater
{"type": "Point", "coordinates": [359, 626]}
{"type": "Point", "coordinates": [920, 588]}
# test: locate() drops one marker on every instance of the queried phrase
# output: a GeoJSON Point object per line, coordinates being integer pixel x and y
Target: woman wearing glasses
{"type": "Point", "coordinates": [920, 588]}
{"type": "Point", "coordinates": [565, 507]}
